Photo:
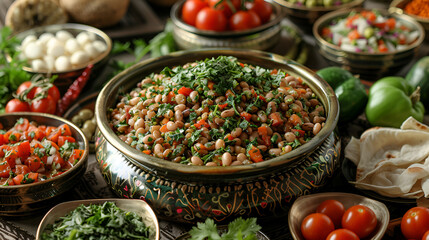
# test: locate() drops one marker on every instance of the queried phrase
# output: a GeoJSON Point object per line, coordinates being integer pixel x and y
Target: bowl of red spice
{"type": "Point", "coordinates": [416, 9]}
{"type": "Point", "coordinates": [42, 156]}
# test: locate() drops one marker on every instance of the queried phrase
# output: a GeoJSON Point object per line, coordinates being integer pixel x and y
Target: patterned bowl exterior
{"type": "Point", "coordinates": [27, 199]}
{"type": "Point", "coordinates": [192, 193]}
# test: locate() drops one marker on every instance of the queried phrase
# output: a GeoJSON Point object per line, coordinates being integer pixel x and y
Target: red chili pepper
{"type": "Point", "coordinates": [74, 90]}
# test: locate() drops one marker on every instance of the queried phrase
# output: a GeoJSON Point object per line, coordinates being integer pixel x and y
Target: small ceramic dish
{"type": "Point", "coordinates": [259, 38]}
{"type": "Point", "coordinates": [305, 205]}
{"type": "Point", "coordinates": [132, 205]}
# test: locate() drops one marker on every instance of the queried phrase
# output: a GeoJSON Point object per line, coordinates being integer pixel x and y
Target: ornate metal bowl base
{"type": "Point", "coordinates": [266, 196]}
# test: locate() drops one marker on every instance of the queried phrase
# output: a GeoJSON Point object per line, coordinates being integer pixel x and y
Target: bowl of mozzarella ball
{"type": "Point", "coordinates": [63, 49]}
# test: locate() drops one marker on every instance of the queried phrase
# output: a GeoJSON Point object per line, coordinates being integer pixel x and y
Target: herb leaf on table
{"type": "Point", "coordinates": [238, 229]}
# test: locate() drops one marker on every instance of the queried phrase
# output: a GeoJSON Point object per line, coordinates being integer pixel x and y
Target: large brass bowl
{"type": "Point", "coordinates": [191, 193]}
{"type": "Point", "coordinates": [259, 38]}
{"type": "Point", "coordinates": [27, 199]}
{"type": "Point", "coordinates": [370, 66]}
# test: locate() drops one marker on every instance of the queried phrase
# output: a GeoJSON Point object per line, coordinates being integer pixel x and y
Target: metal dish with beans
{"type": "Point", "coordinates": [218, 112]}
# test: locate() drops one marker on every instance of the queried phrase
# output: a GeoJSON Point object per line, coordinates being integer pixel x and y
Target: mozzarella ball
{"type": "Point", "coordinates": [100, 46]}
{"type": "Point", "coordinates": [62, 63]}
{"type": "Point", "coordinates": [45, 37]}
{"type": "Point", "coordinates": [83, 38]}
{"type": "Point", "coordinates": [55, 48]}
{"type": "Point", "coordinates": [92, 36]}
{"type": "Point", "coordinates": [63, 35]}
{"type": "Point", "coordinates": [72, 46]}
{"type": "Point", "coordinates": [33, 50]}
{"type": "Point", "coordinates": [28, 39]}
{"type": "Point", "coordinates": [39, 65]}
{"type": "Point", "coordinates": [91, 50]}
{"type": "Point", "coordinates": [79, 58]}
{"type": "Point", "coordinates": [50, 63]}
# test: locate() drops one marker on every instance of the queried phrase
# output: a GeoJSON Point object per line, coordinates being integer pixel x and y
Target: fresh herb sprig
{"type": "Point", "coordinates": [238, 229]}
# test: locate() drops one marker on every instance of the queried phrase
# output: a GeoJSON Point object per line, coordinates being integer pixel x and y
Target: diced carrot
{"type": "Point", "coordinates": [246, 116]}
{"type": "Point", "coordinates": [262, 130]}
{"type": "Point", "coordinates": [353, 35]}
{"type": "Point", "coordinates": [255, 154]}
{"type": "Point", "coordinates": [295, 119]}
{"type": "Point", "coordinates": [201, 123]}
{"type": "Point", "coordinates": [351, 19]}
{"type": "Point", "coordinates": [185, 91]}
{"type": "Point", "coordinates": [210, 85]}
{"type": "Point", "coordinates": [163, 128]}
{"type": "Point", "coordinates": [147, 152]}
{"type": "Point", "coordinates": [165, 121]}
{"type": "Point", "coordinates": [276, 119]}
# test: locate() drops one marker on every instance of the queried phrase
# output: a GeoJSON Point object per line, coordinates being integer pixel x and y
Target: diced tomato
{"type": "Point", "coordinates": [33, 163]}
{"type": "Point", "coordinates": [12, 136]}
{"type": "Point", "coordinates": [170, 96]}
{"type": "Point", "coordinates": [262, 130]}
{"type": "Point", "coordinates": [62, 140]}
{"type": "Point", "coordinates": [34, 132]}
{"type": "Point", "coordinates": [326, 32]}
{"type": "Point", "coordinates": [353, 35]}
{"type": "Point", "coordinates": [164, 128]}
{"type": "Point", "coordinates": [369, 15]}
{"type": "Point", "coordinates": [267, 140]}
{"type": "Point", "coordinates": [276, 119]}
{"type": "Point", "coordinates": [33, 176]}
{"type": "Point", "coordinates": [298, 132]}
{"type": "Point", "coordinates": [4, 149]}
{"type": "Point", "coordinates": [2, 141]}
{"type": "Point", "coordinates": [4, 170]}
{"type": "Point", "coordinates": [210, 85]}
{"type": "Point", "coordinates": [76, 156]}
{"type": "Point", "coordinates": [147, 152]}
{"type": "Point", "coordinates": [255, 154]}
{"type": "Point", "coordinates": [24, 150]}
{"type": "Point", "coordinates": [185, 91]}
{"type": "Point", "coordinates": [229, 137]}
{"type": "Point", "coordinates": [201, 123]}
{"type": "Point", "coordinates": [246, 116]}
{"type": "Point", "coordinates": [350, 20]}
{"type": "Point", "coordinates": [62, 130]}
{"type": "Point", "coordinates": [222, 106]}
{"type": "Point", "coordinates": [11, 157]}
{"type": "Point", "coordinates": [18, 179]}
{"type": "Point", "coordinates": [22, 124]}
{"type": "Point", "coordinates": [391, 23]}
{"type": "Point", "coordinates": [22, 169]}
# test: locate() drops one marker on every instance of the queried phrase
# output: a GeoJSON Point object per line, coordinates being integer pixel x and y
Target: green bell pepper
{"type": "Point", "coordinates": [419, 76]}
{"type": "Point", "coordinates": [351, 93]}
{"type": "Point", "coordinates": [391, 101]}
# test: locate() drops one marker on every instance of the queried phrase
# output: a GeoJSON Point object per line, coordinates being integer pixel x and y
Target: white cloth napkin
{"type": "Point", "coordinates": [392, 162]}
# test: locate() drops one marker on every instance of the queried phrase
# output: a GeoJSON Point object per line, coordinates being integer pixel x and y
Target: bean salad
{"type": "Point", "coordinates": [218, 112]}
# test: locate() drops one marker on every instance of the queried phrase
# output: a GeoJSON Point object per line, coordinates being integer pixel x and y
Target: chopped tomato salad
{"type": "Point", "coordinates": [32, 153]}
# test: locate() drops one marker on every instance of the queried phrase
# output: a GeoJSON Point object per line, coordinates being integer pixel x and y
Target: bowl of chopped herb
{"type": "Point", "coordinates": [200, 133]}
{"type": "Point", "coordinates": [100, 218]}
{"type": "Point", "coordinates": [42, 157]}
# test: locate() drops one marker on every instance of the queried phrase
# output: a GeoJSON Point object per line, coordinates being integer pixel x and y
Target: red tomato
{"type": "Point", "coordinates": [4, 170]}
{"type": "Point", "coordinates": [225, 6]}
{"type": "Point", "coordinates": [211, 19]}
{"type": "Point", "coordinates": [44, 105]}
{"type": "Point", "coordinates": [53, 92]}
{"type": "Point", "coordinates": [24, 86]}
{"type": "Point", "coordinates": [262, 9]}
{"type": "Point", "coordinates": [243, 20]}
{"type": "Point", "coordinates": [342, 234]}
{"type": "Point", "coordinates": [190, 10]}
{"type": "Point", "coordinates": [316, 226]}
{"type": "Point", "coordinates": [426, 235]}
{"type": "Point", "coordinates": [360, 219]}
{"type": "Point", "coordinates": [15, 105]}
{"type": "Point", "coordinates": [415, 222]}
{"type": "Point", "coordinates": [333, 209]}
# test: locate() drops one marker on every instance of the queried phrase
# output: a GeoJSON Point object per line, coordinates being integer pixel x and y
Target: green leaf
{"type": "Point", "coordinates": [205, 230]}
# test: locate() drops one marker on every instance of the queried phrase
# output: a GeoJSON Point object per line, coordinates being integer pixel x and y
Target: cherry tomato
{"type": "Point", "coordinates": [44, 105]}
{"type": "Point", "coordinates": [190, 10]}
{"type": "Point", "coordinates": [16, 105]}
{"type": "Point", "coordinates": [211, 19]}
{"type": "Point", "coordinates": [262, 9]}
{"type": "Point", "coordinates": [426, 235]}
{"type": "Point", "coordinates": [333, 209]}
{"type": "Point", "coordinates": [360, 219]}
{"type": "Point", "coordinates": [415, 222]}
{"type": "Point", "coordinates": [24, 86]}
{"type": "Point", "coordinates": [225, 6]}
{"type": "Point", "coordinates": [52, 91]}
{"type": "Point", "coordinates": [316, 226]}
{"type": "Point", "coordinates": [243, 20]}
{"type": "Point", "coordinates": [342, 234]}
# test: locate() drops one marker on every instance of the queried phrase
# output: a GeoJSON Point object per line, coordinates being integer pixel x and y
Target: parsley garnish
{"type": "Point", "coordinates": [238, 229]}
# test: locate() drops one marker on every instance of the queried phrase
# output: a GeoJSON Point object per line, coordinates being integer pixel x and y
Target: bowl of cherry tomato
{"type": "Point", "coordinates": [226, 23]}
{"type": "Point", "coordinates": [42, 156]}
{"type": "Point", "coordinates": [371, 43]}
{"type": "Point", "coordinates": [332, 215]}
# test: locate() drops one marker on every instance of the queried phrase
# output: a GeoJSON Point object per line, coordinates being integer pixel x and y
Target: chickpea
{"type": "Point", "coordinates": [171, 126]}
{"type": "Point", "coordinates": [194, 96]}
{"type": "Point", "coordinates": [180, 99]}
{"type": "Point", "coordinates": [148, 139]}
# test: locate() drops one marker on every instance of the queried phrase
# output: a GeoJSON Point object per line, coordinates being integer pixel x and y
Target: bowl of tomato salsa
{"type": "Point", "coordinates": [41, 157]}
